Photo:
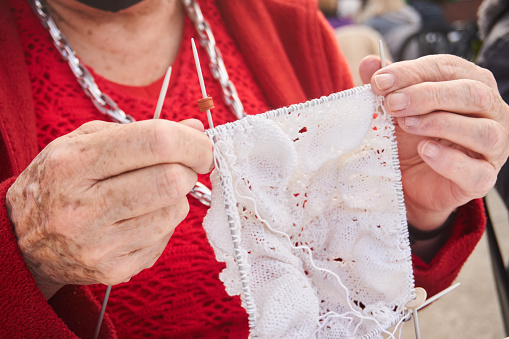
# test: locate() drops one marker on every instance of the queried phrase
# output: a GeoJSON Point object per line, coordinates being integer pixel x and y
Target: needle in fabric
{"type": "Point", "coordinates": [413, 310]}
{"type": "Point", "coordinates": [157, 113]}
{"type": "Point", "coordinates": [382, 53]}
{"type": "Point", "coordinates": [207, 101]}
{"type": "Point", "coordinates": [447, 290]}
{"type": "Point", "coordinates": [438, 295]}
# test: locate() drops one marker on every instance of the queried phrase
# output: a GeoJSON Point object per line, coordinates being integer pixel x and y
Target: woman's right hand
{"type": "Point", "coordinates": [100, 204]}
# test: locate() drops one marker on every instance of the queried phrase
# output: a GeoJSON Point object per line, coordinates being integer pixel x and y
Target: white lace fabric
{"type": "Point", "coordinates": [307, 213]}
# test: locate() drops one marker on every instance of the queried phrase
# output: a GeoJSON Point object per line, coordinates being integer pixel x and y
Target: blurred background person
{"type": "Point", "coordinates": [411, 29]}
{"type": "Point", "coordinates": [395, 20]}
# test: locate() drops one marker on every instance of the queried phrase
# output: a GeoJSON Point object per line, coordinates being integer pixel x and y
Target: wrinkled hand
{"type": "Point", "coordinates": [100, 204]}
{"type": "Point", "coordinates": [452, 131]}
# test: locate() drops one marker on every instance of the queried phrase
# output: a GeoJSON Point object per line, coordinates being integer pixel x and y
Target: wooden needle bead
{"type": "Point", "coordinates": [205, 104]}
{"type": "Point", "coordinates": [420, 297]}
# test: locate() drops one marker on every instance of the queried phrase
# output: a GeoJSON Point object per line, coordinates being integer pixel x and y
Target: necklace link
{"type": "Point", "coordinates": [217, 67]}
{"type": "Point", "coordinates": [103, 102]}
{"type": "Point", "coordinates": [107, 106]}
{"type": "Point", "coordinates": [100, 100]}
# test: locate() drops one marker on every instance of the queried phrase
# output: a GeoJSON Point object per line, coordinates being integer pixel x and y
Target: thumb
{"type": "Point", "coordinates": [193, 123]}
{"type": "Point", "coordinates": [368, 66]}
{"type": "Point", "coordinates": [93, 127]}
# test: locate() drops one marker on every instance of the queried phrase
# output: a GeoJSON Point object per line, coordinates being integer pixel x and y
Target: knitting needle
{"type": "Point", "coordinates": [157, 113]}
{"type": "Point", "coordinates": [427, 302]}
{"type": "Point", "coordinates": [101, 315]}
{"type": "Point", "coordinates": [382, 53]}
{"type": "Point", "coordinates": [381, 108]}
{"type": "Point", "coordinates": [162, 94]}
{"type": "Point", "coordinates": [438, 295]}
{"type": "Point", "coordinates": [200, 77]}
{"type": "Point", "coordinates": [416, 325]}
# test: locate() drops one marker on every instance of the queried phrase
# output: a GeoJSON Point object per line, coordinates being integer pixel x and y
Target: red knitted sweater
{"type": "Point", "coordinates": [181, 295]}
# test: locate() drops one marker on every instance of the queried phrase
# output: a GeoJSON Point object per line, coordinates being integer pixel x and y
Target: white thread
{"type": "Point", "coordinates": [250, 308]}
{"type": "Point", "coordinates": [308, 250]}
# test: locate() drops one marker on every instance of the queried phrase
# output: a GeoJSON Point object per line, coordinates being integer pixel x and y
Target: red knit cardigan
{"type": "Point", "coordinates": [293, 63]}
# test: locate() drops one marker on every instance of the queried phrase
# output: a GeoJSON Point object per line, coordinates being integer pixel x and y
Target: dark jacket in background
{"type": "Point", "coordinates": [494, 55]}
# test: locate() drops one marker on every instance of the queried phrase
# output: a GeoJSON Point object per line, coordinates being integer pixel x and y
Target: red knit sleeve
{"type": "Point", "coordinates": [24, 312]}
{"type": "Point", "coordinates": [442, 270]}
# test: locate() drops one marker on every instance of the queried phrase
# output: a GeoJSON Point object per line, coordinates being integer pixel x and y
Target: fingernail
{"type": "Point", "coordinates": [412, 121]}
{"type": "Point", "coordinates": [384, 81]}
{"type": "Point", "coordinates": [431, 150]}
{"type": "Point", "coordinates": [398, 101]}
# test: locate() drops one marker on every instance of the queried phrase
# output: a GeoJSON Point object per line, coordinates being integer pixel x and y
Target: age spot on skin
{"type": "Point", "coordinates": [77, 203]}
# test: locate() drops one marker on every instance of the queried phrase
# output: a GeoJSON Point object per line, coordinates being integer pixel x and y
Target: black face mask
{"type": "Point", "coordinates": [110, 5]}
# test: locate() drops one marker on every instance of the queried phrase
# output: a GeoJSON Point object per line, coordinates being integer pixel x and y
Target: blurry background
{"type": "Point", "coordinates": [409, 28]}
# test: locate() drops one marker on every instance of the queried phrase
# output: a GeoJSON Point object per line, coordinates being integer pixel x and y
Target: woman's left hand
{"type": "Point", "coordinates": [452, 131]}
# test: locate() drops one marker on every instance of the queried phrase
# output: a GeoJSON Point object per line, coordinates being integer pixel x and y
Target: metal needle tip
{"type": "Point", "coordinates": [382, 53]}
{"type": "Point", "coordinates": [162, 94]}
{"type": "Point", "coordinates": [200, 78]}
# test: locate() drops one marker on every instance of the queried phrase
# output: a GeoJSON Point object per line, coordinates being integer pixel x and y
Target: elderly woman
{"type": "Point", "coordinates": [90, 202]}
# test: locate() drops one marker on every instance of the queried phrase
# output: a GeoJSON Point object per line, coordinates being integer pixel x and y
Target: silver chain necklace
{"type": "Point", "coordinates": [107, 106]}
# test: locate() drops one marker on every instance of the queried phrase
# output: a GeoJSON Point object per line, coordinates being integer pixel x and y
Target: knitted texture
{"type": "Point", "coordinates": [308, 215]}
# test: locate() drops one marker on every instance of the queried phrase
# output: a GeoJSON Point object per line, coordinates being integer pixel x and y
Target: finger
{"type": "Point", "coordinates": [123, 268]}
{"type": "Point", "coordinates": [459, 96]}
{"type": "Point", "coordinates": [143, 191]}
{"type": "Point", "coordinates": [120, 243]}
{"type": "Point", "coordinates": [193, 123]}
{"type": "Point", "coordinates": [92, 127]}
{"type": "Point", "coordinates": [482, 136]}
{"type": "Point", "coordinates": [133, 146]}
{"type": "Point", "coordinates": [368, 66]}
{"type": "Point", "coordinates": [152, 254]}
{"type": "Point", "coordinates": [431, 68]}
{"type": "Point", "coordinates": [146, 230]}
{"type": "Point", "coordinates": [472, 178]}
